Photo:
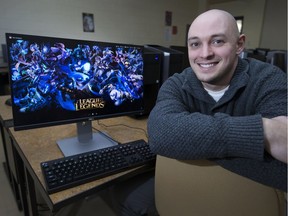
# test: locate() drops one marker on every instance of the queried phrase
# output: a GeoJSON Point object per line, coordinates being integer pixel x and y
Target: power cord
{"type": "Point", "coordinates": [121, 125]}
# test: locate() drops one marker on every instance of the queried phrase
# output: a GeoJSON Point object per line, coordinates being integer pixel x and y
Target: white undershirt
{"type": "Point", "coordinates": [217, 94]}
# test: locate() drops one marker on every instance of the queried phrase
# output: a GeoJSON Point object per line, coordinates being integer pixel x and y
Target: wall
{"type": "Point", "coordinates": [274, 31]}
{"type": "Point", "coordinates": [139, 22]}
{"type": "Point", "coordinates": [265, 21]}
{"type": "Point", "coordinates": [125, 21]}
{"type": "Point", "coordinates": [253, 12]}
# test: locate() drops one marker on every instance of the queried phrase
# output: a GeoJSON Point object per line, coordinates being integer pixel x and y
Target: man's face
{"type": "Point", "coordinates": [213, 51]}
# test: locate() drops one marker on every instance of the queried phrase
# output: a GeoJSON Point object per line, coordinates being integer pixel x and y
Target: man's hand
{"type": "Point", "coordinates": [275, 137]}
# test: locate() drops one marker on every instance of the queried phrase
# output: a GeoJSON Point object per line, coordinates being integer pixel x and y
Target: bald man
{"type": "Point", "coordinates": [223, 108]}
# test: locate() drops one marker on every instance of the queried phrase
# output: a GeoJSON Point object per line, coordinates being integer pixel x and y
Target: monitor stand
{"type": "Point", "coordinates": [85, 141]}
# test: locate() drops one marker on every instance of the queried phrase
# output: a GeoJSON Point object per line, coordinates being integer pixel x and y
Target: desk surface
{"type": "Point", "coordinates": [38, 145]}
{"type": "Point", "coordinates": [6, 111]}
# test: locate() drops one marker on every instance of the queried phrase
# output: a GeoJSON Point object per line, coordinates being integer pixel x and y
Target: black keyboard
{"type": "Point", "coordinates": [67, 172]}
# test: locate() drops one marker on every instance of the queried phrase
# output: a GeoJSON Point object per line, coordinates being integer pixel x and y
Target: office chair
{"type": "Point", "coordinates": [278, 58]}
{"type": "Point", "coordinates": [261, 51]}
{"type": "Point", "coordinates": [250, 53]}
{"type": "Point", "coordinates": [203, 188]}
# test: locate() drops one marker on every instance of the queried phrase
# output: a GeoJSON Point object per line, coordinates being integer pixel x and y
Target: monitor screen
{"type": "Point", "coordinates": [58, 81]}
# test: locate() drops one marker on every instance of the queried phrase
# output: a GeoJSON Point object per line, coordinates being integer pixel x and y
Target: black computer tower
{"type": "Point", "coordinates": [172, 61]}
{"type": "Point", "coordinates": [152, 78]}
{"type": "Point", "coordinates": [183, 49]}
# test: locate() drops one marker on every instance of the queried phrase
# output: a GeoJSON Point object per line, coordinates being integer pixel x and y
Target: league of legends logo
{"type": "Point", "coordinates": [90, 103]}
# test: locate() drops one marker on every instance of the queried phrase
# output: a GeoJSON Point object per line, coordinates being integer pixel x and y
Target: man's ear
{"type": "Point", "coordinates": [241, 43]}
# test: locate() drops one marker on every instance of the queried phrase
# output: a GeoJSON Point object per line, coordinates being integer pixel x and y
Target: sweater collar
{"type": "Point", "coordinates": [239, 80]}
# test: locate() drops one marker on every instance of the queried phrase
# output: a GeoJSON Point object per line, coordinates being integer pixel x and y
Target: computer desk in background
{"type": "Point", "coordinates": [4, 80]}
{"type": "Point", "coordinates": [33, 146]}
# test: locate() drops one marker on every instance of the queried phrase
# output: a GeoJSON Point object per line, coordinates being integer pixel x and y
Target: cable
{"type": "Point", "coordinates": [121, 125]}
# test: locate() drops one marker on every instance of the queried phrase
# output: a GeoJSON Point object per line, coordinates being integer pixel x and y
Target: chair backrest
{"type": "Point", "coordinates": [261, 51]}
{"type": "Point", "coordinates": [248, 53]}
{"type": "Point", "coordinates": [278, 58]}
{"type": "Point", "coordinates": [203, 188]}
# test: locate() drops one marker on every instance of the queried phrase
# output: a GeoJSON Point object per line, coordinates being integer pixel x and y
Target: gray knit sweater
{"type": "Point", "coordinates": [186, 123]}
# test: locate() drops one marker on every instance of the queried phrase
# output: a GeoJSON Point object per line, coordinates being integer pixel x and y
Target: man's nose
{"type": "Point", "coordinates": [206, 51]}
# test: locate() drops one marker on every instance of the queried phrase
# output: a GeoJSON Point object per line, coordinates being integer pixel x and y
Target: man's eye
{"type": "Point", "coordinates": [194, 45]}
{"type": "Point", "coordinates": [217, 42]}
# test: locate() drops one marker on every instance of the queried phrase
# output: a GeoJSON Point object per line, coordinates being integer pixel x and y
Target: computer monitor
{"type": "Point", "coordinates": [57, 81]}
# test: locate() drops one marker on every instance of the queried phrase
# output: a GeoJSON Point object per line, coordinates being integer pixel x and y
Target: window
{"type": "Point", "coordinates": [240, 21]}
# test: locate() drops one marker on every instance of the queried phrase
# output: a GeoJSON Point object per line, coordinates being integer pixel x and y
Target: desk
{"type": "Point", "coordinates": [37, 145]}
{"type": "Point", "coordinates": [10, 164]}
{"type": "Point", "coordinates": [4, 81]}
{"type": "Point", "coordinates": [4, 70]}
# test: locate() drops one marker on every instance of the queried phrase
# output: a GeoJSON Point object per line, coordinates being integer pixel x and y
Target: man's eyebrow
{"type": "Point", "coordinates": [218, 35]}
{"type": "Point", "coordinates": [193, 38]}
{"type": "Point", "coordinates": [212, 36]}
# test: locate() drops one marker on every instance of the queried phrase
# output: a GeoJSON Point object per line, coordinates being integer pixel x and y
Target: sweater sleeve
{"type": "Point", "coordinates": [174, 131]}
